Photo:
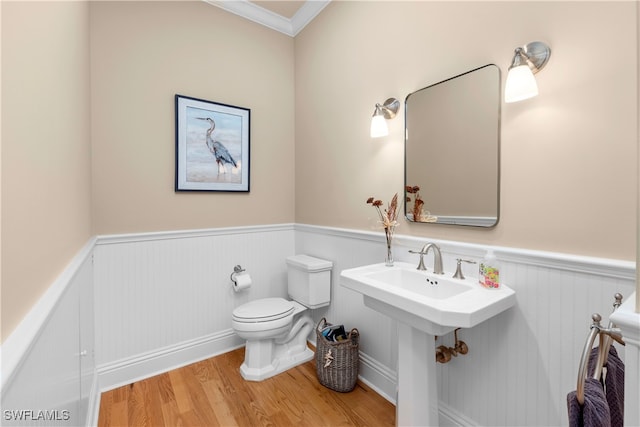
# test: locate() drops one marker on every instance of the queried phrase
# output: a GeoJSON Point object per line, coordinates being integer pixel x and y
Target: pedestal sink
{"type": "Point", "coordinates": [425, 305]}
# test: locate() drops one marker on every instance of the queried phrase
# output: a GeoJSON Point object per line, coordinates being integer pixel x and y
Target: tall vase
{"type": "Point", "coordinates": [388, 260]}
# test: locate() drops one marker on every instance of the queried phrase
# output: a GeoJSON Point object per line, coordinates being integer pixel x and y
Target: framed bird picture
{"type": "Point", "coordinates": [212, 146]}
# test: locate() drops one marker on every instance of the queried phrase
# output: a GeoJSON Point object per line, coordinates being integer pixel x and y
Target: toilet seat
{"type": "Point", "coordinates": [263, 310]}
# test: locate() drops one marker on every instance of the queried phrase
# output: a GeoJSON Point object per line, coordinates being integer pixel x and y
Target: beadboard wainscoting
{"type": "Point", "coordinates": [48, 364]}
{"type": "Point", "coordinates": [522, 363]}
{"type": "Point", "coordinates": [164, 300]}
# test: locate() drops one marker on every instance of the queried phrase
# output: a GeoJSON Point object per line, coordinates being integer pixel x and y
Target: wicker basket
{"type": "Point", "coordinates": [337, 362]}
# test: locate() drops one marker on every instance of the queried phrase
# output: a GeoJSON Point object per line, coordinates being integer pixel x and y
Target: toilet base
{"type": "Point", "coordinates": [277, 366]}
{"type": "Point", "coordinates": [264, 358]}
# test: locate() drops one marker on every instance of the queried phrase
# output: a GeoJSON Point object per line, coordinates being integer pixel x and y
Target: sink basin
{"type": "Point", "coordinates": [433, 303]}
{"type": "Point", "coordinates": [419, 282]}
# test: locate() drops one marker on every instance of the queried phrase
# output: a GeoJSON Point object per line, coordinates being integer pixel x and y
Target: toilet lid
{"type": "Point", "coordinates": [263, 310]}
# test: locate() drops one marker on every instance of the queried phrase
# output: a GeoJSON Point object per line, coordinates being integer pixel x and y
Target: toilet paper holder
{"type": "Point", "coordinates": [236, 270]}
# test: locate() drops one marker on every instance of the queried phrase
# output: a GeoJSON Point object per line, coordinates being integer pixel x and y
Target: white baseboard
{"type": "Point", "coordinates": [377, 376]}
{"type": "Point", "coordinates": [132, 369]}
{"type": "Point", "coordinates": [450, 417]}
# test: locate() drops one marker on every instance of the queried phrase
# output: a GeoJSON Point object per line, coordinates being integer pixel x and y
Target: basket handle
{"type": "Point", "coordinates": [353, 334]}
{"type": "Point", "coordinates": [321, 324]}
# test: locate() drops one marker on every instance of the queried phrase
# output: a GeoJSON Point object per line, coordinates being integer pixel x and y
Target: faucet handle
{"type": "Point", "coordinates": [421, 263]}
{"type": "Point", "coordinates": [458, 274]}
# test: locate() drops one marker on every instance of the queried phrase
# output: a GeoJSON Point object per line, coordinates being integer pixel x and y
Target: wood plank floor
{"type": "Point", "coordinates": [212, 393]}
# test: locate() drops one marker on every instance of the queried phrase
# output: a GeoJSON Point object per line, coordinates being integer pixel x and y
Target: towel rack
{"type": "Point", "coordinates": [606, 336]}
{"type": "Point", "coordinates": [605, 342]}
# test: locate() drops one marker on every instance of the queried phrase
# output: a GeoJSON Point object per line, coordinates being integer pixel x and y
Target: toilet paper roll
{"type": "Point", "coordinates": [241, 281]}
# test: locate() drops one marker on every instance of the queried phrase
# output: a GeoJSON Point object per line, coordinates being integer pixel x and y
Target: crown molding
{"type": "Point", "coordinates": [309, 10]}
{"type": "Point", "coordinates": [251, 11]}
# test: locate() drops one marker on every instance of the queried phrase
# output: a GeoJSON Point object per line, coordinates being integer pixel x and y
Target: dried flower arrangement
{"type": "Point", "coordinates": [388, 219]}
{"type": "Point", "coordinates": [419, 215]}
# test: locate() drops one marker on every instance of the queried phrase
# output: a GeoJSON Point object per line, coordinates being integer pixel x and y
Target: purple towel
{"type": "Point", "coordinates": [613, 384]}
{"type": "Point", "coordinates": [595, 410]}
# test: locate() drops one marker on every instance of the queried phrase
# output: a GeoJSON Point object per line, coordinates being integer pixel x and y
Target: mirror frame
{"type": "Point", "coordinates": [480, 223]}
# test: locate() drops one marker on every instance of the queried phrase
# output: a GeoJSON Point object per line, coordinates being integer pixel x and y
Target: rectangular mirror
{"type": "Point", "coordinates": [452, 150]}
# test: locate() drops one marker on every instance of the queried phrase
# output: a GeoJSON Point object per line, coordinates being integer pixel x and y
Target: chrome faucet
{"type": "Point", "coordinates": [437, 257]}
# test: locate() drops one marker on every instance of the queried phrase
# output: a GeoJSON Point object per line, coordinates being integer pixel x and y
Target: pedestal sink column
{"type": "Point", "coordinates": [417, 403]}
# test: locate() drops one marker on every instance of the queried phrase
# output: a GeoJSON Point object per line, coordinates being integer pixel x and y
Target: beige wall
{"type": "Point", "coordinates": [45, 147]}
{"type": "Point", "coordinates": [142, 54]}
{"type": "Point", "coordinates": [568, 156]}
{"type": "Point", "coordinates": [90, 146]}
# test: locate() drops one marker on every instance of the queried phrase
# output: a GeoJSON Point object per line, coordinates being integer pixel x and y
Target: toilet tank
{"type": "Point", "coordinates": [309, 280]}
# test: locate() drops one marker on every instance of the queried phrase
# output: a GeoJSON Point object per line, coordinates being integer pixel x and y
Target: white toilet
{"type": "Point", "coordinates": [276, 329]}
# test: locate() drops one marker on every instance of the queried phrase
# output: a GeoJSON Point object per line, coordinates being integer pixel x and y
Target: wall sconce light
{"type": "Point", "coordinates": [527, 60]}
{"type": "Point", "coordinates": [381, 114]}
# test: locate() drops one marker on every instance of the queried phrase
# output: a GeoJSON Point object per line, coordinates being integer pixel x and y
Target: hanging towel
{"type": "Point", "coordinates": [595, 410]}
{"type": "Point", "coordinates": [613, 384]}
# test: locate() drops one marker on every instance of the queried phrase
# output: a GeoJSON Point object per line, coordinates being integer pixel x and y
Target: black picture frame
{"type": "Point", "coordinates": [212, 146]}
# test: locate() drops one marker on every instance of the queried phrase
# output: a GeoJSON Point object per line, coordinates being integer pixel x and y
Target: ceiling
{"type": "Point", "coordinates": [288, 17]}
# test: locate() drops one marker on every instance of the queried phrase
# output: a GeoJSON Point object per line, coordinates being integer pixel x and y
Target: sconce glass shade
{"type": "Point", "coordinates": [527, 60]}
{"type": "Point", "coordinates": [379, 126]}
{"type": "Point", "coordinates": [381, 114]}
{"type": "Point", "coordinates": [520, 85]}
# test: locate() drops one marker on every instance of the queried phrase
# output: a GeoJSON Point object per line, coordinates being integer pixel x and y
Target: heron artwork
{"type": "Point", "coordinates": [219, 151]}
